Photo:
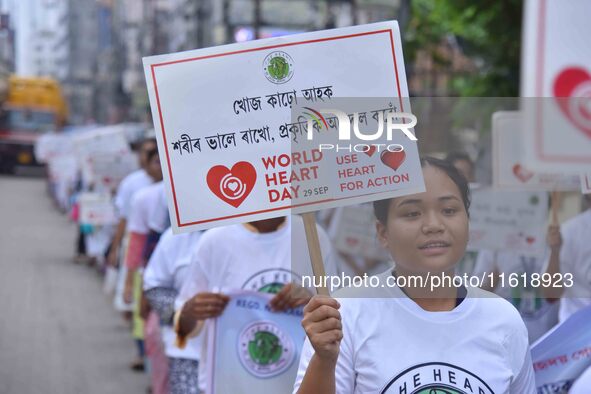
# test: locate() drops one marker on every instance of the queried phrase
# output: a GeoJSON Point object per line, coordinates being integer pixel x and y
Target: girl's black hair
{"type": "Point", "coordinates": [380, 207]}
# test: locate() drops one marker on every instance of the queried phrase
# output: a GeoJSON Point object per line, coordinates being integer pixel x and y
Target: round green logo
{"type": "Point", "coordinates": [278, 67]}
{"type": "Point", "coordinates": [265, 350]}
{"type": "Point", "coordinates": [271, 288]}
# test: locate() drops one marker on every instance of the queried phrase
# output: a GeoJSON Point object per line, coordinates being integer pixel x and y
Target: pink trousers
{"type": "Point", "coordinates": [155, 352]}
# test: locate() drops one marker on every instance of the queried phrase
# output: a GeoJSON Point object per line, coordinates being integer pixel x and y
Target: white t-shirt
{"type": "Point", "coordinates": [159, 220]}
{"type": "Point", "coordinates": [538, 314]}
{"type": "Point", "coordinates": [391, 345]}
{"type": "Point", "coordinates": [234, 257]}
{"type": "Point", "coordinates": [575, 258]}
{"type": "Point", "coordinates": [168, 267]}
{"type": "Point", "coordinates": [127, 188]}
{"type": "Point", "coordinates": [582, 384]}
{"type": "Point", "coordinates": [142, 205]}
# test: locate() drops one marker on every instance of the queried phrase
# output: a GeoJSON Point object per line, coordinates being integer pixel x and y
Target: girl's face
{"type": "Point", "coordinates": [146, 147]}
{"type": "Point", "coordinates": [427, 232]}
{"type": "Point", "coordinates": [154, 169]}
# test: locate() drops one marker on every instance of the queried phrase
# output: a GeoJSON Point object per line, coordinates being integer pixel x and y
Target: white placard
{"type": "Point", "coordinates": [96, 209]}
{"type": "Point", "coordinates": [557, 63]}
{"type": "Point", "coordinates": [229, 147]}
{"type": "Point", "coordinates": [52, 144]}
{"type": "Point", "coordinates": [509, 169]}
{"type": "Point", "coordinates": [101, 141]}
{"type": "Point", "coordinates": [253, 349]}
{"type": "Point", "coordinates": [514, 221]}
{"type": "Point", "coordinates": [109, 170]}
{"type": "Point", "coordinates": [560, 356]}
{"type": "Point", "coordinates": [62, 168]}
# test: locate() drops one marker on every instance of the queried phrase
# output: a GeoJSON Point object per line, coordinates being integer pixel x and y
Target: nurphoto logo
{"type": "Point", "coordinates": [402, 121]}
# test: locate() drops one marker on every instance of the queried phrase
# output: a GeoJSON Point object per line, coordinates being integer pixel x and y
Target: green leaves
{"type": "Point", "coordinates": [487, 31]}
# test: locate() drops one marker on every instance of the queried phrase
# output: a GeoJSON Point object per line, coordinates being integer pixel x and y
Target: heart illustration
{"type": "Point", "coordinates": [393, 159]}
{"type": "Point", "coordinates": [371, 150]}
{"type": "Point", "coordinates": [232, 185]}
{"type": "Point", "coordinates": [530, 240]}
{"type": "Point", "coordinates": [572, 88]}
{"type": "Point", "coordinates": [521, 173]}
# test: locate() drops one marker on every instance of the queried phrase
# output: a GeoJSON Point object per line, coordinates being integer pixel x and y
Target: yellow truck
{"type": "Point", "coordinates": [30, 107]}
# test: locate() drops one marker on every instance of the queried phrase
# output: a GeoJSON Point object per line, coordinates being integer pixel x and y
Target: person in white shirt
{"type": "Point", "coordinates": [163, 279]}
{"type": "Point", "coordinates": [571, 255]}
{"type": "Point", "coordinates": [412, 339]}
{"type": "Point", "coordinates": [538, 313]}
{"type": "Point", "coordinates": [136, 215]}
{"type": "Point", "coordinates": [133, 182]}
{"type": "Point", "coordinates": [128, 186]}
{"type": "Point", "coordinates": [267, 256]}
{"type": "Point", "coordinates": [137, 231]}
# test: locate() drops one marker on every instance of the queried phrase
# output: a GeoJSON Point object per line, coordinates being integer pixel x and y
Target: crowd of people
{"type": "Point", "coordinates": [170, 288]}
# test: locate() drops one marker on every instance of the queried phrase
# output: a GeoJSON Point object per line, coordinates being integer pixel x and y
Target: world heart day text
{"type": "Point", "coordinates": [286, 171]}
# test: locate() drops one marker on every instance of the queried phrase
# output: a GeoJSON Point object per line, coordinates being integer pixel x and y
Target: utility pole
{"type": "Point", "coordinates": [226, 20]}
{"type": "Point", "coordinates": [257, 19]}
{"type": "Point", "coordinates": [354, 18]}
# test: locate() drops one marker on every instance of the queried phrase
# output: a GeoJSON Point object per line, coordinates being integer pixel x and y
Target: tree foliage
{"type": "Point", "coordinates": [488, 31]}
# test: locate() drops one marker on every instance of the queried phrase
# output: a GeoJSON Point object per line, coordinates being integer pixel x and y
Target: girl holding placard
{"type": "Point", "coordinates": [414, 339]}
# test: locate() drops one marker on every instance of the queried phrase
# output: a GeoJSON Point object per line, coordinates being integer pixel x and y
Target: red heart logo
{"type": "Point", "coordinates": [530, 240]}
{"type": "Point", "coordinates": [572, 89]}
{"type": "Point", "coordinates": [371, 150]}
{"type": "Point", "coordinates": [521, 173]}
{"type": "Point", "coordinates": [393, 159]}
{"type": "Point", "coordinates": [232, 186]}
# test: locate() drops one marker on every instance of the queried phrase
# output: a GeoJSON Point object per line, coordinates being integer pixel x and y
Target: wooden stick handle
{"type": "Point", "coordinates": [315, 251]}
{"type": "Point", "coordinates": [554, 205]}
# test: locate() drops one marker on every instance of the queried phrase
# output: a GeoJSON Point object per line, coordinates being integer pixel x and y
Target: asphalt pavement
{"type": "Point", "coordinates": [58, 331]}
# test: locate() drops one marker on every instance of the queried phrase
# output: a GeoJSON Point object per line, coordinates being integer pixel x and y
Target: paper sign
{"type": "Point", "coordinates": [109, 140]}
{"type": "Point", "coordinates": [96, 209]}
{"type": "Point", "coordinates": [62, 168]}
{"type": "Point", "coordinates": [556, 85]}
{"type": "Point", "coordinates": [514, 221]}
{"type": "Point", "coordinates": [560, 356]}
{"type": "Point", "coordinates": [50, 145]}
{"type": "Point", "coordinates": [103, 141]}
{"type": "Point", "coordinates": [109, 170]}
{"type": "Point", "coordinates": [586, 183]}
{"type": "Point", "coordinates": [510, 171]}
{"type": "Point", "coordinates": [254, 350]}
{"type": "Point", "coordinates": [231, 148]}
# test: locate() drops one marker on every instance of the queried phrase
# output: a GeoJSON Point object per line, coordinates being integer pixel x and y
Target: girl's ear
{"type": "Point", "coordinates": [382, 234]}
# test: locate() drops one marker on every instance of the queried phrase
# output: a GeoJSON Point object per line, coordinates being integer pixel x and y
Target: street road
{"type": "Point", "coordinates": [58, 331]}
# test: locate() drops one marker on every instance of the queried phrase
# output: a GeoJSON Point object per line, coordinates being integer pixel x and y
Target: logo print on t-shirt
{"type": "Point", "coordinates": [436, 378]}
{"type": "Point", "coordinates": [270, 281]}
{"type": "Point", "coordinates": [265, 350]}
